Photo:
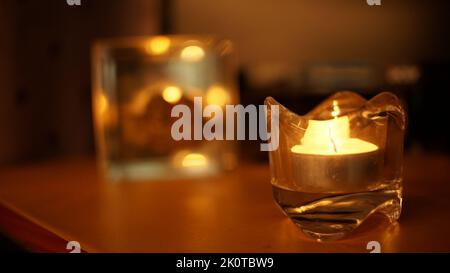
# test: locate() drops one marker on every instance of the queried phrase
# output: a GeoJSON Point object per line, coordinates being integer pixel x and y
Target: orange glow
{"type": "Point", "coordinates": [158, 45]}
{"type": "Point", "coordinates": [192, 54]}
{"type": "Point", "coordinates": [102, 104]}
{"type": "Point", "coordinates": [172, 94]}
{"type": "Point", "coordinates": [140, 101]}
{"type": "Point", "coordinates": [194, 160]}
{"type": "Point", "coordinates": [217, 95]}
{"type": "Point", "coordinates": [104, 110]}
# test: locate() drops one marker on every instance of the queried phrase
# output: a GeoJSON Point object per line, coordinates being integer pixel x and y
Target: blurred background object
{"type": "Point", "coordinates": [297, 51]}
{"type": "Point", "coordinates": [136, 84]}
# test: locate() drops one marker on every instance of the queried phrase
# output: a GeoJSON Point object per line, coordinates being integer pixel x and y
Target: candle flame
{"type": "Point", "coordinates": [331, 137]}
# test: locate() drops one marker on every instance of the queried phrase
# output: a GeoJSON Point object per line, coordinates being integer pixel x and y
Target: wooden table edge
{"type": "Point", "coordinates": [29, 234]}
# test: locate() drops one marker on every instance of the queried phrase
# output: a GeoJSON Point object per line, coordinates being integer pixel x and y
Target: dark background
{"type": "Point", "coordinates": [297, 51]}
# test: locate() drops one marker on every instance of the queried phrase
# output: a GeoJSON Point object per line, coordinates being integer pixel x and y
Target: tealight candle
{"type": "Point", "coordinates": [340, 163]}
{"type": "Point", "coordinates": [329, 160]}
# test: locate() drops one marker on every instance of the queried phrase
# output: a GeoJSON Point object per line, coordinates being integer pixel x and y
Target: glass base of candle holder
{"type": "Point", "coordinates": [327, 216]}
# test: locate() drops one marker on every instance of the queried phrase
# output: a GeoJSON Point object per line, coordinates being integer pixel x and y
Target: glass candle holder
{"type": "Point", "coordinates": [136, 84]}
{"type": "Point", "coordinates": [340, 163]}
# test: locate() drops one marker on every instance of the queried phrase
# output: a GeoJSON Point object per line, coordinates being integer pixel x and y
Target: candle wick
{"type": "Point", "coordinates": [332, 140]}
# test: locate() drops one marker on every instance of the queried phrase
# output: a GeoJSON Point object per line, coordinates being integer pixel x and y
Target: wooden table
{"type": "Point", "coordinates": [45, 205]}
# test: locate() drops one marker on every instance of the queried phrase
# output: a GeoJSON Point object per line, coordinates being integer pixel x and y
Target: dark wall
{"type": "Point", "coordinates": [45, 70]}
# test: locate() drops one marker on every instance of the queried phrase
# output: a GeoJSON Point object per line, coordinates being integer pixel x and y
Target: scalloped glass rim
{"type": "Point", "coordinates": [350, 102]}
